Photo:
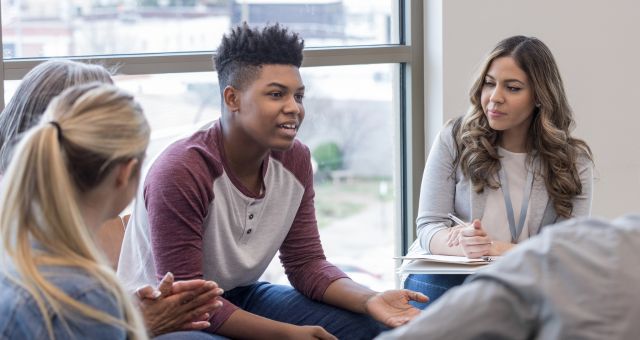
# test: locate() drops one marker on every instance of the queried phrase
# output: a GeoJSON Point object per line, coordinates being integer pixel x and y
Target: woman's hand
{"type": "Point", "coordinates": [498, 248]}
{"type": "Point", "coordinates": [392, 307]}
{"type": "Point", "coordinates": [175, 306]}
{"type": "Point", "coordinates": [453, 235]}
{"type": "Point", "coordinates": [475, 241]}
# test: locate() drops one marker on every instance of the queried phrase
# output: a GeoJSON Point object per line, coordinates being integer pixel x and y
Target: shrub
{"type": "Point", "coordinates": [328, 156]}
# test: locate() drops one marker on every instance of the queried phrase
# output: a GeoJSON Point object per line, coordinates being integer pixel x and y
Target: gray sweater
{"type": "Point", "coordinates": [577, 280]}
{"type": "Point", "coordinates": [442, 193]}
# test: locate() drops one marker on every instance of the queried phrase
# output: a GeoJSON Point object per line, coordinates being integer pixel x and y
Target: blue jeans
{"type": "Point", "coordinates": [285, 304]}
{"type": "Point", "coordinates": [189, 335]}
{"type": "Point", "coordinates": [432, 285]}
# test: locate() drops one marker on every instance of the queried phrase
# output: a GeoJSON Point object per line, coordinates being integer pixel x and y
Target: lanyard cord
{"type": "Point", "coordinates": [516, 230]}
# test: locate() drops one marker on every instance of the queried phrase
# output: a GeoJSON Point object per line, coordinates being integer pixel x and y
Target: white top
{"type": "Point", "coordinates": [494, 220]}
{"type": "Point", "coordinates": [445, 189]}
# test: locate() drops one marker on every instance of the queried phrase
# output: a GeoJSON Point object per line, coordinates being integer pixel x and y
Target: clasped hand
{"type": "Point", "coordinates": [176, 306]}
{"type": "Point", "coordinates": [473, 239]}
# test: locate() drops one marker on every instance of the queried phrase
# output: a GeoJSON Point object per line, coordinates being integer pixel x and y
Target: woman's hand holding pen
{"type": "Point", "coordinates": [453, 237]}
{"type": "Point", "coordinates": [474, 240]}
{"type": "Point", "coordinates": [477, 242]}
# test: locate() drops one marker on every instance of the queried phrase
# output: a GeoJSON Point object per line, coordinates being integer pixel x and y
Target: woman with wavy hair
{"type": "Point", "coordinates": [77, 168]}
{"type": "Point", "coordinates": [509, 166]}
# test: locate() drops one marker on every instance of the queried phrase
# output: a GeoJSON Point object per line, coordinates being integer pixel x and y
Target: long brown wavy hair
{"type": "Point", "coordinates": [549, 137]}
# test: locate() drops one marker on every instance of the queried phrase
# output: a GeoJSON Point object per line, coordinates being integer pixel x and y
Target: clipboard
{"type": "Point", "coordinates": [461, 260]}
{"type": "Point", "coordinates": [442, 264]}
{"type": "Point", "coordinates": [427, 267]}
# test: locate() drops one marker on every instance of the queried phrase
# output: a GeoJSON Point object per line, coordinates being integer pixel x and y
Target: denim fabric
{"type": "Point", "coordinates": [189, 335]}
{"type": "Point", "coordinates": [21, 318]}
{"type": "Point", "coordinates": [285, 304]}
{"type": "Point", "coordinates": [432, 285]}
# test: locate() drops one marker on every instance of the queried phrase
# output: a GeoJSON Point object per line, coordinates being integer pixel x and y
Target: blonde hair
{"type": "Point", "coordinates": [84, 133]}
{"type": "Point", "coordinates": [549, 136]}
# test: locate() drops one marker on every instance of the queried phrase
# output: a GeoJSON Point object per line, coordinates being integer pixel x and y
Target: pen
{"type": "Point", "coordinates": [490, 258]}
{"type": "Point", "coordinates": [454, 218]}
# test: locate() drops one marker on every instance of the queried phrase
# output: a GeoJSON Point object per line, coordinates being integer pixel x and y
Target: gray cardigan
{"type": "Point", "coordinates": [442, 193]}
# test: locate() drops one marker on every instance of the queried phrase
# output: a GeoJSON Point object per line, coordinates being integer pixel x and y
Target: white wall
{"type": "Point", "coordinates": [597, 46]}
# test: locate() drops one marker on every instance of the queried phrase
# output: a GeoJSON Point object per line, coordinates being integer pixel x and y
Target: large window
{"type": "Point", "coordinates": [45, 28]}
{"type": "Point", "coordinates": [362, 70]}
{"type": "Point", "coordinates": [349, 128]}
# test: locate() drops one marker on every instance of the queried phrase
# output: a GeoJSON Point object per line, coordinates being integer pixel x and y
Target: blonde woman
{"type": "Point", "coordinates": [76, 169]}
{"type": "Point", "coordinates": [510, 165]}
{"type": "Point", "coordinates": [185, 305]}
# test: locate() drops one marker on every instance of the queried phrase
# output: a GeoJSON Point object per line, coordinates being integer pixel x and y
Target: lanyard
{"type": "Point", "coordinates": [516, 230]}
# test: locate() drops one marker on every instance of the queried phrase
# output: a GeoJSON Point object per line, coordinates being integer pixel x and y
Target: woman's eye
{"type": "Point", "coordinates": [513, 89]}
{"type": "Point", "coordinates": [299, 97]}
{"type": "Point", "coordinates": [488, 83]}
{"type": "Point", "coordinates": [275, 94]}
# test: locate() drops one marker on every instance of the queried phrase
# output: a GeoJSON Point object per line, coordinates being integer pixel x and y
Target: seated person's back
{"type": "Point", "coordinates": [69, 174]}
{"type": "Point", "coordinates": [577, 280]}
{"type": "Point", "coordinates": [20, 311]}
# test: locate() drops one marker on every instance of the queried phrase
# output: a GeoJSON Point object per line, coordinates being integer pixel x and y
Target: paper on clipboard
{"type": "Point", "coordinates": [451, 259]}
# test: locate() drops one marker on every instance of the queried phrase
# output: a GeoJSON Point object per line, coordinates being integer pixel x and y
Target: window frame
{"type": "Point", "coordinates": [410, 124]}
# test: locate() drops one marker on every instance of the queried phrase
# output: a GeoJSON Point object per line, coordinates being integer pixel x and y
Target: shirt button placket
{"type": "Point", "coordinates": [250, 223]}
{"type": "Point", "coordinates": [251, 218]}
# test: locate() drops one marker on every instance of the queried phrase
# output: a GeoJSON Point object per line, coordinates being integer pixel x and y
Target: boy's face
{"type": "Point", "coordinates": [270, 108]}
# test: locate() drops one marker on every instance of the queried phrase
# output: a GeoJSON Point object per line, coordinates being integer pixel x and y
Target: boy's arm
{"type": "Point", "coordinates": [177, 193]}
{"type": "Point", "coordinates": [177, 197]}
{"type": "Point", "coordinates": [301, 252]}
{"type": "Point", "coordinates": [244, 325]}
{"type": "Point", "coordinates": [310, 273]}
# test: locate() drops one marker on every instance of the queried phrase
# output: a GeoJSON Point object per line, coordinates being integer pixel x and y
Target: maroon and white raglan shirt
{"type": "Point", "coordinates": [194, 218]}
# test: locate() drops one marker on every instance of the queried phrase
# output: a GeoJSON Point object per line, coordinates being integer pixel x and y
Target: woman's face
{"type": "Point", "coordinates": [507, 97]}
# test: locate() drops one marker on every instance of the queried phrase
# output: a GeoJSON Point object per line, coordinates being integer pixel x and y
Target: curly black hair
{"type": "Point", "coordinates": [245, 49]}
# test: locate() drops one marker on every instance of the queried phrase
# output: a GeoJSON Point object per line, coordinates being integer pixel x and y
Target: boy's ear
{"type": "Point", "coordinates": [126, 172]}
{"type": "Point", "coordinates": [230, 97]}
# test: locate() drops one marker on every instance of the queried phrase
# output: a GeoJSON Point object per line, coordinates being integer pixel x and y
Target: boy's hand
{"type": "Point", "coordinates": [392, 307]}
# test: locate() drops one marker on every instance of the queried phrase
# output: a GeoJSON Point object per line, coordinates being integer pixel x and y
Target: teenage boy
{"type": "Point", "coordinates": [221, 203]}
